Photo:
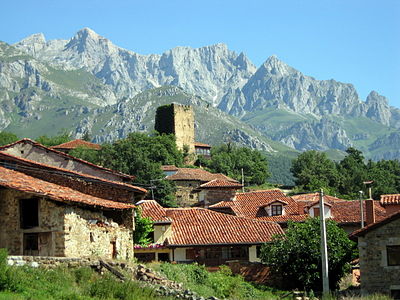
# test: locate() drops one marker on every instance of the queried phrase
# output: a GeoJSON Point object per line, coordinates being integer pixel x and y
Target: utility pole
{"type": "Point", "coordinates": [324, 248]}
{"type": "Point", "coordinates": [242, 181]}
{"type": "Point", "coordinates": [361, 209]}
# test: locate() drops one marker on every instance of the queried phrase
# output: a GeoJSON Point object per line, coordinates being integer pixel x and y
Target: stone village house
{"type": "Point", "coordinates": [379, 248]}
{"type": "Point", "coordinates": [200, 235]}
{"type": "Point", "coordinates": [65, 207]}
{"type": "Point", "coordinates": [199, 187]}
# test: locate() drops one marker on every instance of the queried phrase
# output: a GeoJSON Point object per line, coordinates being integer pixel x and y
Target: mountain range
{"type": "Point", "coordinates": [87, 83]}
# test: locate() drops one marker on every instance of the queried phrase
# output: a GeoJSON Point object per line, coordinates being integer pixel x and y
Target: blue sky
{"type": "Point", "coordinates": [354, 41]}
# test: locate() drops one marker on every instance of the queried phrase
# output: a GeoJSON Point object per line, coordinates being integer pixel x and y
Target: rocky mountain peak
{"type": "Point", "coordinates": [378, 108]}
{"type": "Point", "coordinates": [87, 40]}
{"type": "Point", "coordinates": [375, 97]}
{"type": "Point", "coordinates": [274, 66]}
{"type": "Point", "coordinates": [37, 38]}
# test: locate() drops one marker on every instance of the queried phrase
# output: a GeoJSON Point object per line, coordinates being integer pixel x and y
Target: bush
{"type": "Point", "coordinates": [296, 255]}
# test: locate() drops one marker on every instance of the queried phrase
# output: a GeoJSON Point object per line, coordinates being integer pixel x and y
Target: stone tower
{"type": "Point", "coordinates": [179, 120]}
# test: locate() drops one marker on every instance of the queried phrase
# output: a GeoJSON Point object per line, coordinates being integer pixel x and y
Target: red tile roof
{"type": "Point", "coordinates": [151, 209]}
{"type": "Point", "coordinates": [251, 204]}
{"type": "Point", "coordinates": [35, 144]}
{"type": "Point", "coordinates": [199, 226]}
{"type": "Point", "coordinates": [197, 144]}
{"type": "Point", "coordinates": [24, 183]}
{"type": "Point", "coordinates": [390, 199]}
{"type": "Point", "coordinates": [349, 211]}
{"type": "Point", "coordinates": [169, 168]}
{"type": "Point", "coordinates": [219, 183]}
{"type": "Point", "coordinates": [24, 161]}
{"type": "Point", "coordinates": [312, 197]}
{"type": "Point", "coordinates": [371, 227]}
{"type": "Point", "coordinates": [77, 143]}
{"type": "Point", "coordinates": [197, 175]}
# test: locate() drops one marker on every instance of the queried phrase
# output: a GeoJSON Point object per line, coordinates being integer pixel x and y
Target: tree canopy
{"type": "Point", "coordinates": [50, 141]}
{"type": "Point", "coordinates": [140, 155]}
{"type": "Point", "coordinates": [230, 160]}
{"type": "Point", "coordinates": [314, 170]}
{"type": "Point", "coordinates": [7, 138]}
{"type": "Point", "coordinates": [296, 256]}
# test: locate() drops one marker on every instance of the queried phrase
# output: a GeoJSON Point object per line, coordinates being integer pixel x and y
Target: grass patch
{"type": "Point", "coordinates": [23, 283]}
{"type": "Point", "coordinates": [221, 284]}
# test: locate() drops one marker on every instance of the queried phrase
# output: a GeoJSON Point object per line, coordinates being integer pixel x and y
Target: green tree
{"type": "Point", "coordinates": [61, 138]}
{"type": "Point", "coordinates": [353, 172]}
{"type": "Point", "coordinates": [85, 153]}
{"type": "Point", "coordinates": [230, 160]}
{"type": "Point", "coordinates": [143, 228]}
{"type": "Point", "coordinates": [296, 256]}
{"type": "Point", "coordinates": [7, 138]}
{"type": "Point", "coordinates": [313, 170]}
{"type": "Point", "coordinates": [386, 177]}
{"type": "Point", "coordinates": [141, 155]}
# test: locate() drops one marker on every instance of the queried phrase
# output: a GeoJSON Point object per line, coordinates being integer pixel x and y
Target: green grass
{"type": "Point", "coordinates": [221, 284]}
{"type": "Point", "coordinates": [26, 283]}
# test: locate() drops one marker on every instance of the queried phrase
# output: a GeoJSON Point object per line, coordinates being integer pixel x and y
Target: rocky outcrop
{"type": "Point", "coordinates": [321, 135]}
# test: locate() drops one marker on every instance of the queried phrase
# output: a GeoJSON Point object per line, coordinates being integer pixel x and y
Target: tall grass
{"type": "Point", "coordinates": [221, 284]}
{"type": "Point", "coordinates": [23, 283]}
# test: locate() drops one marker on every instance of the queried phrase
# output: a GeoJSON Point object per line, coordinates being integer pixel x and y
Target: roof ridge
{"type": "Point", "coordinates": [72, 172]}
{"type": "Point", "coordinates": [50, 190]}
{"type": "Point", "coordinates": [69, 156]}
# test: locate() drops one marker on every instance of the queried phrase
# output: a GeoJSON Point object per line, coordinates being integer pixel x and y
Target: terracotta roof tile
{"type": "Point", "coordinates": [153, 210]}
{"type": "Point", "coordinates": [198, 175]}
{"type": "Point", "coordinates": [77, 143]}
{"type": "Point", "coordinates": [349, 211]}
{"type": "Point", "coordinates": [251, 204]}
{"type": "Point", "coordinates": [169, 168]}
{"type": "Point", "coordinates": [219, 183]}
{"type": "Point", "coordinates": [24, 183]}
{"type": "Point", "coordinates": [197, 144]}
{"type": "Point", "coordinates": [199, 226]}
{"type": "Point", "coordinates": [9, 157]}
{"type": "Point", "coordinates": [312, 197]}
{"type": "Point", "coordinates": [390, 199]}
{"type": "Point", "coordinates": [33, 143]}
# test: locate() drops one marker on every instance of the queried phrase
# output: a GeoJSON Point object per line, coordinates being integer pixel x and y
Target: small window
{"type": "Point", "coordinates": [393, 255]}
{"type": "Point", "coordinates": [258, 251]}
{"type": "Point", "coordinates": [190, 254]}
{"type": "Point", "coordinates": [316, 212]}
{"type": "Point", "coordinates": [191, 196]}
{"type": "Point", "coordinates": [29, 213]}
{"type": "Point", "coordinates": [276, 210]}
{"type": "Point", "coordinates": [31, 243]}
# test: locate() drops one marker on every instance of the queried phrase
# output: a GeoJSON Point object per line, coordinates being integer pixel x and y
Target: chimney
{"type": "Point", "coordinates": [370, 211]}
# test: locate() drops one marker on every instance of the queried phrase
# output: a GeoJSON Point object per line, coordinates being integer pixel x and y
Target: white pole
{"type": "Point", "coordinates": [324, 248]}
{"type": "Point", "coordinates": [362, 209]}
{"type": "Point", "coordinates": [242, 181]}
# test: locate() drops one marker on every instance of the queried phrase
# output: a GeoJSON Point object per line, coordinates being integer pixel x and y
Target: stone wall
{"type": "Point", "coordinates": [213, 196]}
{"type": "Point", "coordinates": [184, 127]}
{"type": "Point", "coordinates": [90, 233]}
{"type": "Point", "coordinates": [179, 120]}
{"type": "Point", "coordinates": [66, 230]}
{"type": "Point", "coordinates": [185, 195]}
{"type": "Point", "coordinates": [376, 275]}
{"type": "Point", "coordinates": [50, 229]}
